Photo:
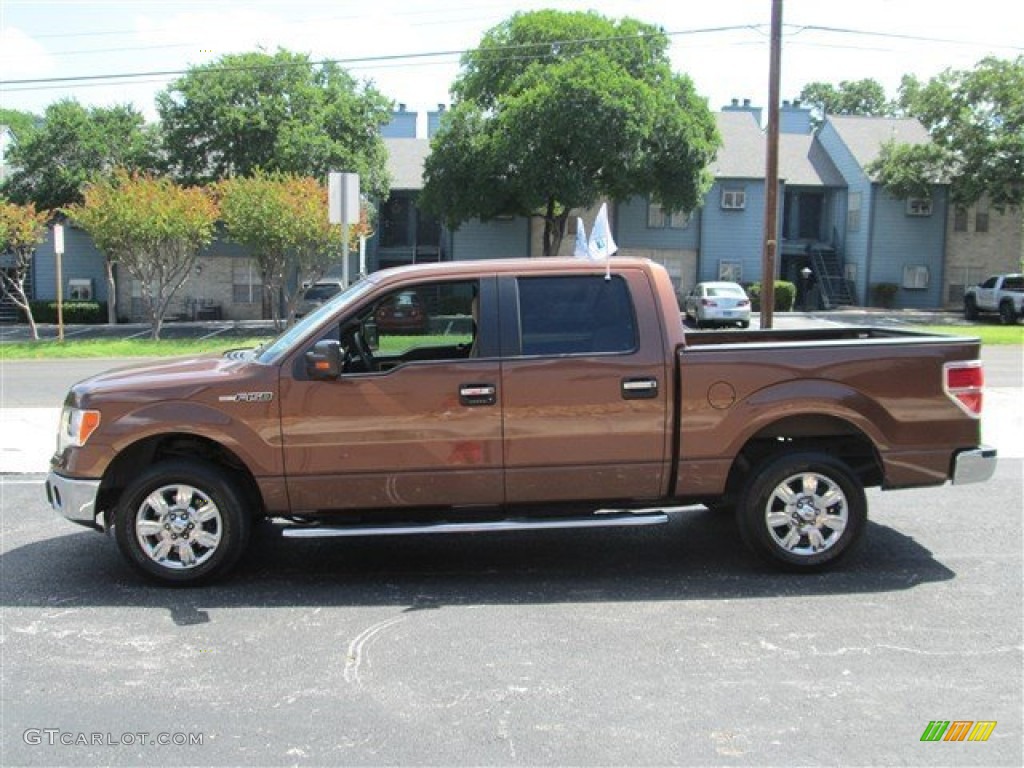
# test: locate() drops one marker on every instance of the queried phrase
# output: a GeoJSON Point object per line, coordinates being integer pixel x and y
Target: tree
{"type": "Point", "coordinates": [76, 145]}
{"type": "Point", "coordinates": [279, 113]}
{"type": "Point", "coordinates": [282, 219]}
{"type": "Point", "coordinates": [555, 111]}
{"type": "Point", "coordinates": [976, 122]}
{"type": "Point", "coordinates": [22, 228]}
{"type": "Point", "coordinates": [851, 97]}
{"type": "Point", "coordinates": [151, 227]}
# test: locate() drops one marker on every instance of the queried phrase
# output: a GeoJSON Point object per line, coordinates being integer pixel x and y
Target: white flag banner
{"type": "Point", "coordinates": [601, 245]}
{"type": "Point", "coordinates": [580, 250]}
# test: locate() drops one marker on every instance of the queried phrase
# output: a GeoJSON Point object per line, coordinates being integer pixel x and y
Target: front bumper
{"type": "Point", "coordinates": [74, 499]}
{"type": "Point", "coordinates": [974, 466]}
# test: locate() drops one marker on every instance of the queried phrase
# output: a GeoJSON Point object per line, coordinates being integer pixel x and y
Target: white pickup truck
{"type": "Point", "coordinates": [1000, 293]}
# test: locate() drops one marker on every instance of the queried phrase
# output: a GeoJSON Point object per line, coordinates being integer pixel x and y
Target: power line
{"type": "Point", "coordinates": [412, 58]}
{"type": "Point", "coordinates": [119, 76]}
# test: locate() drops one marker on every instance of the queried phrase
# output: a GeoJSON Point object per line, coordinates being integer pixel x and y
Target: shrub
{"type": "Point", "coordinates": [75, 312]}
{"type": "Point", "coordinates": [785, 296]}
{"type": "Point", "coordinates": [884, 294]}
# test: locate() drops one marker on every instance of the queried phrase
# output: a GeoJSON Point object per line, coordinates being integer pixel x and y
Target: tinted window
{"type": "Point", "coordinates": [575, 315]}
{"type": "Point", "coordinates": [727, 290]}
{"type": "Point", "coordinates": [1013, 284]}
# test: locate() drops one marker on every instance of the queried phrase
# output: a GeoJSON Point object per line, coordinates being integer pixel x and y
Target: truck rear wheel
{"type": "Point", "coordinates": [802, 511]}
{"type": "Point", "coordinates": [1007, 315]}
{"type": "Point", "coordinates": [182, 523]}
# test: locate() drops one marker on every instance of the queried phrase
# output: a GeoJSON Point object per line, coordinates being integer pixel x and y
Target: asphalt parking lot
{"type": "Point", "coordinates": [662, 646]}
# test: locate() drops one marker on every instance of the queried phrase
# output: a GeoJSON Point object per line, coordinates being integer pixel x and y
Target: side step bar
{"type": "Point", "coordinates": [480, 526]}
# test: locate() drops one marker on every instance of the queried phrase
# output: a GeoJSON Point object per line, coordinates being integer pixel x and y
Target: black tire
{"type": "Point", "coordinates": [970, 308]}
{"type": "Point", "coordinates": [186, 510]}
{"type": "Point", "coordinates": [1007, 316]}
{"type": "Point", "coordinates": [744, 324]}
{"type": "Point", "coordinates": [824, 518]}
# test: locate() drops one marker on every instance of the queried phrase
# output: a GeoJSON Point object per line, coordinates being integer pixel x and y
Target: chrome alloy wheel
{"type": "Point", "coordinates": [806, 513]}
{"type": "Point", "coordinates": [178, 527]}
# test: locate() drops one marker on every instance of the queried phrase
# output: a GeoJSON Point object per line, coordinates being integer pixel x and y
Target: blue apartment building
{"type": "Point", "coordinates": [833, 218]}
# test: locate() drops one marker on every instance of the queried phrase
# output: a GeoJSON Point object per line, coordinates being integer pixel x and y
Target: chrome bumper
{"type": "Point", "coordinates": [974, 466]}
{"type": "Point", "coordinates": [75, 499]}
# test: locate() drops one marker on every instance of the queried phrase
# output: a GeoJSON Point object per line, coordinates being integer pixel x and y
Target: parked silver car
{"type": "Point", "coordinates": [318, 293]}
{"type": "Point", "coordinates": [717, 303]}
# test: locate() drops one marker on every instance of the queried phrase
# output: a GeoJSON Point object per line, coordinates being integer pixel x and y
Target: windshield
{"type": "Point", "coordinates": [273, 351]}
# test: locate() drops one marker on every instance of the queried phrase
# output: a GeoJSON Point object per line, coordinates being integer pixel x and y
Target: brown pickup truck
{"type": "Point", "coordinates": [507, 395]}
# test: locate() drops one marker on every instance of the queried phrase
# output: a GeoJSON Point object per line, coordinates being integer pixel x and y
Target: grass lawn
{"type": "Point", "coordinates": [52, 350]}
{"type": "Point", "coordinates": [55, 350]}
{"type": "Point", "coordinates": [989, 334]}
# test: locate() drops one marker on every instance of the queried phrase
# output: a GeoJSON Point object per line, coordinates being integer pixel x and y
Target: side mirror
{"type": "Point", "coordinates": [324, 361]}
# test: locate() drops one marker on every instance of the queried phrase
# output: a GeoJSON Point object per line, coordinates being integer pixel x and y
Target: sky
{"type": "Point", "coordinates": [723, 45]}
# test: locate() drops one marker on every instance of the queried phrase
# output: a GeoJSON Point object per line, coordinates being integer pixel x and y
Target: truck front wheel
{"type": "Point", "coordinates": [970, 308]}
{"type": "Point", "coordinates": [182, 522]}
{"type": "Point", "coordinates": [802, 511]}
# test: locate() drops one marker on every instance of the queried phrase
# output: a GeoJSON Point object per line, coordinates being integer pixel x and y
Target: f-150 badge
{"type": "Point", "coordinates": [247, 397]}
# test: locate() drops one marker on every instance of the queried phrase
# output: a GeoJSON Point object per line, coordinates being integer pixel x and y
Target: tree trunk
{"type": "Point", "coordinates": [554, 228]}
{"type": "Point", "coordinates": [111, 294]}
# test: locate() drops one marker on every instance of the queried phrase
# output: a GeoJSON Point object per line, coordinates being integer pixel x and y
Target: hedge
{"type": "Point", "coordinates": [75, 312]}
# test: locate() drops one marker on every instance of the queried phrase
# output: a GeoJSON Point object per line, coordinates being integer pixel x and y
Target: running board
{"type": "Point", "coordinates": [480, 526]}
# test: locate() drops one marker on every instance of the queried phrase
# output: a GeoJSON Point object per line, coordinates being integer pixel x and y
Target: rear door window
{"type": "Point", "coordinates": [575, 314]}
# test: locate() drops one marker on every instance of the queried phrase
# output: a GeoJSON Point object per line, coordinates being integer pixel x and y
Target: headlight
{"type": "Point", "coordinates": [76, 425]}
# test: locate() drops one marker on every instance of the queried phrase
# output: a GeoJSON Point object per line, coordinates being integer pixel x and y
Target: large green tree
{"type": "Point", "coordinates": [277, 112]}
{"type": "Point", "coordinates": [976, 122]}
{"type": "Point", "coordinates": [22, 228]}
{"type": "Point", "coordinates": [554, 111]}
{"type": "Point", "coordinates": [151, 227]}
{"type": "Point", "coordinates": [74, 146]}
{"type": "Point", "coordinates": [850, 97]}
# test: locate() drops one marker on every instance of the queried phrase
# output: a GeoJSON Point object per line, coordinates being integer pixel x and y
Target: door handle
{"type": "Point", "coordinates": [639, 389]}
{"type": "Point", "coordinates": [478, 394]}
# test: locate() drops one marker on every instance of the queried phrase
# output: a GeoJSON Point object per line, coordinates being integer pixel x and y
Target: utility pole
{"type": "Point", "coordinates": [58, 252]}
{"type": "Point", "coordinates": [771, 173]}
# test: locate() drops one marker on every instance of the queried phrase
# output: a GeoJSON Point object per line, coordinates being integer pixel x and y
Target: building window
{"type": "Point", "coordinates": [981, 216]}
{"type": "Point", "coordinates": [731, 271]}
{"type": "Point", "coordinates": [246, 282]}
{"type": "Point", "coordinates": [919, 206]}
{"type": "Point", "coordinates": [853, 212]}
{"type": "Point", "coordinates": [734, 199]}
{"type": "Point", "coordinates": [657, 218]}
{"type": "Point", "coordinates": [80, 289]}
{"type": "Point", "coordinates": [960, 219]}
{"type": "Point", "coordinates": [915, 277]}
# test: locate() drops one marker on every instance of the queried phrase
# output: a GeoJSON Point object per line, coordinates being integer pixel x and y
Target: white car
{"type": "Point", "coordinates": [717, 303]}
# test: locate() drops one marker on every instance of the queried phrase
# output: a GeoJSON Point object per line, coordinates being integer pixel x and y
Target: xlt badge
{"type": "Point", "coordinates": [247, 397]}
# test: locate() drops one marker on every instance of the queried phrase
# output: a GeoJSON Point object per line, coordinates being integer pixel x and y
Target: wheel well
{"type": "Point", "coordinates": [152, 450]}
{"type": "Point", "coordinates": [806, 432]}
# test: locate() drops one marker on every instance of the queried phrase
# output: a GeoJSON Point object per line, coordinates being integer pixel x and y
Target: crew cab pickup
{"type": "Point", "coordinates": [1002, 294]}
{"type": "Point", "coordinates": [540, 393]}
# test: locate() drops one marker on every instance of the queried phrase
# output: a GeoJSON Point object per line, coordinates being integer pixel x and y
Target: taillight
{"type": "Point", "coordinates": [963, 383]}
{"type": "Point", "coordinates": [708, 303]}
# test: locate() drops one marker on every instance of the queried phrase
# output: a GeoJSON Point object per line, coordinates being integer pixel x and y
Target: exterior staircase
{"type": "Point", "coordinates": [836, 290]}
